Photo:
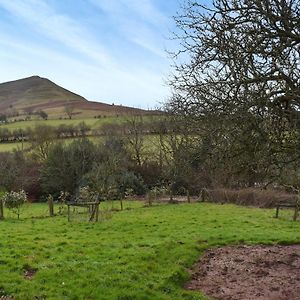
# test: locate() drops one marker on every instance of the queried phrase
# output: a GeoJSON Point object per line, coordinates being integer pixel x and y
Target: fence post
{"type": "Point", "coordinates": [51, 206]}
{"type": "Point", "coordinates": [1, 209]}
{"type": "Point", "coordinates": [188, 196]}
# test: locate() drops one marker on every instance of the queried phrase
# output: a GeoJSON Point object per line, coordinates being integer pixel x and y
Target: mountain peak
{"type": "Point", "coordinates": [37, 93]}
{"type": "Point", "coordinates": [33, 91]}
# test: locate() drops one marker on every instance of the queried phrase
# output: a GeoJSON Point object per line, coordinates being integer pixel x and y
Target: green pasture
{"type": "Point", "coordinates": [94, 123]}
{"type": "Point", "coordinates": [10, 147]}
{"type": "Point", "coordinates": [138, 253]}
{"type": "Point", "coordinates": [150, 141]}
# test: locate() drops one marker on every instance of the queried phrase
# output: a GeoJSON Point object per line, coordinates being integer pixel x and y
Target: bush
{"type": "Point", "coordinates": [129, 181]}
{"type": "Point", "coordinates": [14, 201]}
{"type": "Point", "coordinates": [249, 196]}
{"type": "Point", "coordinates": [87, 195]}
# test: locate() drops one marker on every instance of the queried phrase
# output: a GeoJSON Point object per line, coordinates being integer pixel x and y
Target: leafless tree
{"type": "Point", "coordinates": [135, 136]}
{"type": "Point", "coordinates": [238, 69]}
{"type": "Point", "coordinates": [69, 110]}
{"type": "Point", "coordinates": [242, 55]}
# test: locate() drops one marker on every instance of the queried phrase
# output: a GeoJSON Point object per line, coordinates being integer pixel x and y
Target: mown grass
{"type": "Point", "coordinates": [142, 253]}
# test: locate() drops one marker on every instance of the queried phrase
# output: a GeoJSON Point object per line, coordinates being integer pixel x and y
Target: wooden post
{"type": "Point", "coordinates": [149, 196]}
{"type": "Point", "coordinates": [97, 212]}
{"type": "Point", "coordinates": [296, 213]}
{"type": "Point", "coordinates": [68, 213]}
{"type": "Point", "coordinates": [188, 196]}
{"type": "Point", "coordinates": [51, 206]}
{"type": "Point", "coordinates": [121, 201]}
{"type": "Point", "coordinates": [92, 212]}
{"type": "Point", "coordinates": [171, 194]}
{"type": "Point", "coordinates": [277, 211]}
{"type": "Point", "coordinates": [1, 209]}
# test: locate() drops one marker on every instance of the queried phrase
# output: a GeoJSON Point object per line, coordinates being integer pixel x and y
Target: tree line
{"type": "Point", "coordinates": [121, 163]}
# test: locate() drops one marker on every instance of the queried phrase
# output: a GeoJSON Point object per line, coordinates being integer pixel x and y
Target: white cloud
{"type": "Point", "coordinates": [79, 60]}
{"type": "Point", "coordinates": [58, 27]}
{"type": "Point", "coordinates": [139, 20]}
{"type": "Point", "coordinates": [22, 59]}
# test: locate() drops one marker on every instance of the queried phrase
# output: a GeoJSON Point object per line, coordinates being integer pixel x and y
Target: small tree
{"type": "Point", "coordinates": [87, 195]}
{"type": "Point", "coordinates": [41, 140]}
{"type": "Point", "coordinates": [62, 199]}
{"type": "Point", "coordinates": [14, 201]}
{"type": "Point", "coordinates": [69, 110]}
{"type": "Point", "coordinates": [43, 114]}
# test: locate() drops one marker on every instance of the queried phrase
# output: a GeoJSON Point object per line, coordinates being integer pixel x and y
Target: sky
{"type": "Point", "coordinates": [111, 51]}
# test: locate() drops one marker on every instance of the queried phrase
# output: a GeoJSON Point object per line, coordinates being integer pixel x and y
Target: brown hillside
{"type": "Point", "coordinates": [35, 93]}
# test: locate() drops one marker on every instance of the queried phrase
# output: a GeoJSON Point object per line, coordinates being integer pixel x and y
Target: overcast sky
{"type": "Point", "coordinates": [104, 50]}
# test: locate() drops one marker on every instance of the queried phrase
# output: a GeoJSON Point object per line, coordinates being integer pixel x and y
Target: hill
{"type": "Point", "coordinates": [26, 96]}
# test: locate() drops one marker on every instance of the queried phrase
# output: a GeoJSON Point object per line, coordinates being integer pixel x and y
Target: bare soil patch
{"type": "Point", "coordinates": [29, 273]}
{"type": "Point", "coordinates": [249, 272]}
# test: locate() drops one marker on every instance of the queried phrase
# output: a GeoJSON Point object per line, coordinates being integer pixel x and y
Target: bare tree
{"type": "Point", "coordinates": [41, 140]}
{"type": "Point", "coordinates": [243, 55]}
{"type": "Point", "coordinates": [238, 75]}
{"type": "Point", "coordinates": [135, 136]}
{"type": "Point", "coordinates": [69, 110]}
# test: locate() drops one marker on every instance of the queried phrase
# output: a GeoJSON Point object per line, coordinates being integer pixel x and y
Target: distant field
{"type": "Point", "coordinates": [141, 253]}
{"type": "Point", "coordinates": [9, 147]}
{"type": "Point", "coordinates": [94, 123]}
{"type": "Point", "coordinates": [151, 142]}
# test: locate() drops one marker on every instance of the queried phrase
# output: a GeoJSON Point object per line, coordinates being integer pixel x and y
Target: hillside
{"type": "Point", "coordinates": [29, 95]}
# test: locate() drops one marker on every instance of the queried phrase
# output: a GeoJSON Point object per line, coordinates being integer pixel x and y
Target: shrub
{"type": "Point", "coordinates": [87, 195]}
{"type": "Point", "coordinates": [249, 197]}
{"type": "Point", "coordinates": [14, 201]}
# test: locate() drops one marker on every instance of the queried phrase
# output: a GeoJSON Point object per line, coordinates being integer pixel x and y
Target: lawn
{"type": "Point", "coordinates": [140, 253]}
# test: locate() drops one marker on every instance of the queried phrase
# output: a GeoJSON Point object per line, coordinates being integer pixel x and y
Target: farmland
{"type": "Point", "coordinates": [92, 123]}
{"type": "Point", "coordinates": [140, 253]}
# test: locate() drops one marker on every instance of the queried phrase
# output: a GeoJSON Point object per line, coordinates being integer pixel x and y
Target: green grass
{"type": "Point", "coordinates": [10, 147]}
{"type": "Point", "coordinates": [142, 253]}
{"type": "Point", "coordinates": [94, 123]}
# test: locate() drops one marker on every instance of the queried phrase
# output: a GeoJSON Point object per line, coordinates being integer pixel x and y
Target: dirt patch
{"type": "Point", "coordinates": [29, 273]}
{"type": "Point", "coordinates": [249, 272]}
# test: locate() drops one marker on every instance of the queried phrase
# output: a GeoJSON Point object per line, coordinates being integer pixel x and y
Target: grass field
{"type": "Point", "coordinates": [142, 253]}
{"type": "Point", "coordinates": [9, 147]}
{"type": "Point", "coordinates": [94, 123]}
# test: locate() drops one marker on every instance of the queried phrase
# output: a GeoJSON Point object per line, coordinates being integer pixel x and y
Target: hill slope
{"type": "Point", "coordinates": [32, 94]}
